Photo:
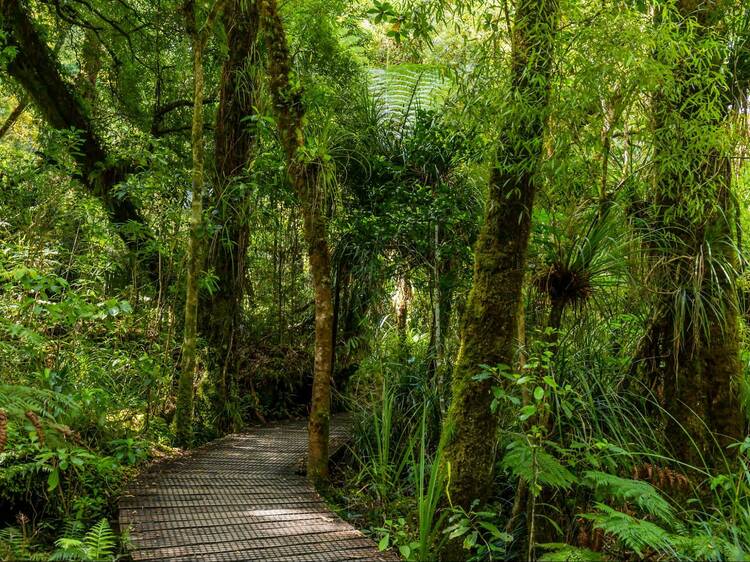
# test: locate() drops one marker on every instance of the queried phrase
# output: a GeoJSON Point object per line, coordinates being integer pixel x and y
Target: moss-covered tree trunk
{"type": "Point", "coordinates": [290, 114]}
{"type": "Point", "coordinates": [36, 68]}
{"type": "Point", "coordinates": [91, 64]}
{"type": "Point", "coordinates": [493, 311]}
{"type": "Point", "coordinates": [184, 406]}
{"type": "Point", "coordinates": [221, 313]}
{"type": "Point", "coordinates": [695, 260]}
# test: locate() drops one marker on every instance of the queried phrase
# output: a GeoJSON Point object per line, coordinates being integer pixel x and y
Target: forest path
{"type": "Point", "coordinates": [241, 498]}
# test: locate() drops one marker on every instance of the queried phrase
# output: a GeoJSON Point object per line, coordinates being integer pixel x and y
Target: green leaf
{"type": "Point", "coordinates": [53, 480]}
{"type": "Point", "coordinates": [527, 412]}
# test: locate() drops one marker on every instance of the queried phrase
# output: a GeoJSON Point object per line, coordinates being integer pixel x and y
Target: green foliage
{"type": "Point", "coordinates": [407, 104]}
{"type": "Point", "coordinates": [99, 543]}
{"type": "Point", "coordinates": [534, 465]}
{"type": "Point", "coordinates": [16, 545]}
{"type": "Point", "coordinates": [480, 533]}
{"type": "Point", "coordinates": [638, 535]}
{"type": "Point", "coordinates": [560, 552]}
{"type": "Point", "coordinates": [642, 494]}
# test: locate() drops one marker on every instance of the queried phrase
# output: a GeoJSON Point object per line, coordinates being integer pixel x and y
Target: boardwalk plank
{"type": "Point", "coordinates": [239, 498]}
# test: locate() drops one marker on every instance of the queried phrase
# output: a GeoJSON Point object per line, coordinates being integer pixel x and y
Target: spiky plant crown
{"type": "Point", "coordinates": [562, 284]}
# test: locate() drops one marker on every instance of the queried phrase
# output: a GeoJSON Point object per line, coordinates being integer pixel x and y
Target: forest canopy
{"type": "Point", "coordinates": [503, 240]}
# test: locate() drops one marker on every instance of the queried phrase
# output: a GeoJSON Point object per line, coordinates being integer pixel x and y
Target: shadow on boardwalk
{"type": "Point", "coordinates": [240, 498]}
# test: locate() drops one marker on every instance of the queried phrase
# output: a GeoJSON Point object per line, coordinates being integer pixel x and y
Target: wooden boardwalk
{"type": "Point", "coordinates": [241, 498]}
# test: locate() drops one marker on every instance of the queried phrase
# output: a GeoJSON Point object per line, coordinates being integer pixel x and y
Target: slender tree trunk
{"type": "Point", "coordinates": [304, 179]}
{"type": "Point", "coordinates": [184, 411]}
{"type": "Point", "coordinates": [401, 301]}
{"type": "Point", "coordinates": [493, 311]}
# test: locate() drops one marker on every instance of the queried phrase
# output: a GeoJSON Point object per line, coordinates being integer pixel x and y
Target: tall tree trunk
{"type": "Point", "coordinates": [184, 407]}
{"type": "Point", "coordinates": [304, 179]}
{"type": "Point", "coordinates": [221, 313]}
{"type": "Point", "coordinates": [493, 311]}
{"type": "Point", "coordinates": [36, 69]}
{"type": "Point", "coordinates": [695, 258]}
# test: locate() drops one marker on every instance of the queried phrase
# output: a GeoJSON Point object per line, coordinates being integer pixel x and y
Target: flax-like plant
{"type": "Point", "coordinates": [429, 482]}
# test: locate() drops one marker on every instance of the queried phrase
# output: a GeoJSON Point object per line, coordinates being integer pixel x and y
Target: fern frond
{"type": "Point", "coordinates": [399, 91]}
{"type": "Point", "coordinates": [100, 541]}
{"type": "Point", "coordinates": [17, 399]}
{"type": "Point", "coordinates": [641, 493]}
{"type": "Point", "coordinates": [702, 547]}
{"type": "Point", "coordinates": [544, 469]}
{"type": "Point", "coordinates": [69, 549]}
{"type": "Point", "coordinates": [73, 529]}
{"type": "Point", "coordinates": [635, 534]}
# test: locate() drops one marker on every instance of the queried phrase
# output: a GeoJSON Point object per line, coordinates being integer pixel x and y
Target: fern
{"type": "Point", "coordinates": [705, 547]}
{"type": "Point", "coordinates": [73, 529]}
{"type": "Point", "coordinates": [641, 493]}
{"type": "Point", "coordinates": [99, 543]}
{"type": "Point", "coordinates": [545, 469]}
{"type": "Point", "coordinates": [399, 91]}
{"type": "Point", "coordinates": [15, 546]}
{"type": "Point", "coordinates": [636, 534]}
{"type": "Point", "coordinates": [561, 552]}
{"type": "Point", "coordinates": [18, 399]}
{"type": "Point", "coordinates": [69, 549]}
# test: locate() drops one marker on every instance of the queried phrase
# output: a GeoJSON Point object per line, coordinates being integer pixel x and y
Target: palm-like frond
{"type": "Point", "coordinates": [401, 90]}
{"type": "Point", "coordinates": [18, 399]}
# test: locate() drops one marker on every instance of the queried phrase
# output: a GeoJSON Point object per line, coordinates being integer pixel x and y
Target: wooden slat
{"type": "Point", "coordinates": [239, 498]}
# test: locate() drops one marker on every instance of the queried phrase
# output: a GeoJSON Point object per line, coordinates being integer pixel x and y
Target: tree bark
{"type": "Point", "coordinates": [695, 257]}
{"type": "Point", "coordinates": [402, 301]}
{"type": "Point", "coordinates": [37, 70]}
{"type": "Point", "coordinates": [304, 179]}
{"type": "Point", "coordinates": [184, 406]}
{"type": "Point", "coordinates": [493, 311]}
{"type": "Point", "coordinates": [234, 137]}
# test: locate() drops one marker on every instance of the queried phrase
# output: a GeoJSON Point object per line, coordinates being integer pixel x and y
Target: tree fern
{"type": "Point", "coordinates": [20, 402]}
{"type": "Point", "coordinates": [21, 398]}
{"type": "Point", "coordinates": [641, 493]}
{"type": "Point", "coordinates": [400, 90]}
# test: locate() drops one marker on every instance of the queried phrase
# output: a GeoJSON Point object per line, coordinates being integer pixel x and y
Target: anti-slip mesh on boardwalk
{"type": "Point", "coordinates": [240, 498]}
